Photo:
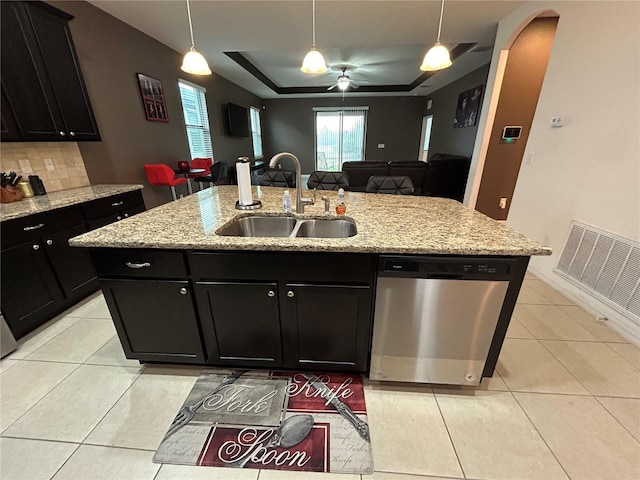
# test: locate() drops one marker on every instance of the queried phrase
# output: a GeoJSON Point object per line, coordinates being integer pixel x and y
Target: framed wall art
{"type": "Point", "coordinates": [155, 108]}
{"type": "Point", "coordinates": [468, 107]}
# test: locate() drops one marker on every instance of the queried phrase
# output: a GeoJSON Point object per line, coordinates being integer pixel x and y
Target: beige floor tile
{"type": "Point", "coordinates": [140, 418]}
{"type": "Point", "coordinates": [185, 472]}
{"type": "Point", "coordinates": [598, 368]}
{"type": "Point", "coordinates": [77, 343]}
{"type": "Point", "coordinates": [104, 463]}
{"type": "Point", "coordinates": [32, 459]}
{"type": "Point", "coordinates": [96, 308]}
{"type": "Point", "coordinates": [400, 476]}
{"type": "Point", "coordinates": [548, 322]}
{"type": "Point", "coordinates": [553, 296]}
{"type": "Point", "coordinates": [493, 437]}
{"type": "Point", "coordinates": [529, 296]}
{"type": "Point", "coordinates": [628, 351]}
{"type": "Point", "coordinates": [22, 386]}
{"type": "Point", "coordinates": [408, 434]}
{"type": "Point", "coordinates": [517, 330]}
{"type": "Point", "coordinates": [286, 475]}
{"type": "Point", "coordinates": [626, 411]}
{"type": "Point", "coordinates": [37, 338]}
{"type": "Point", "coordinates": [586, 439]}
{"type": "Point", "coordinates": [72, 409]}
{"type": "Point", "coordinates": [526, 366]}
{"type": "Point", "coordinates": [111, 354]}
{"type": "Point", "coordinates": [599, 329]}
{"type": "Point", "coordinates": [530, 276]}
{"type": "Point", "coordinates": [495, 383]}
{"type": "Point", "coordinates": [7, 363]}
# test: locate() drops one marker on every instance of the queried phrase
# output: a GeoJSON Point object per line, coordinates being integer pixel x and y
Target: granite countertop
{"type": "Point", "coordinates": [60, 199]}
{"type": "Point", "coordinates": [385, 223]}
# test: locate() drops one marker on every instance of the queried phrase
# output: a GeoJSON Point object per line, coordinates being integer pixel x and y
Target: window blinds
{"type": "Point", "coordinates": [196, 119]}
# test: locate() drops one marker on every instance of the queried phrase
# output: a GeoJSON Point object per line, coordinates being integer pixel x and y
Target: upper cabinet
{"type": "Point", "coordinates": [44, 97]}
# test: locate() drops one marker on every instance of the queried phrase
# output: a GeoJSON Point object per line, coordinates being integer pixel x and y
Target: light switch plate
{"type": "Point", "coordinates": [48, 163]}
{"type": "Point", "coordinates": [25, 166]}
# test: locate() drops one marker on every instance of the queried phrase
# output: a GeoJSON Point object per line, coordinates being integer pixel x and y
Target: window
{"type": "Point", "coordinates": [425, 138]}
{"type": "Point", "coordinates": [196, 119]}
{"type": "Point", "coordinates": [340, 134]}
{"type": "Point", "coordinates": [256, 132]}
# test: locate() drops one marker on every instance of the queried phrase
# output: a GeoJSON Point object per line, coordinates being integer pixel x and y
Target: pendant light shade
{"type": "Point", "coordinates": [313, 61]}
{"type": "Point", "coordinates": [438, 56]}
{"type": "Point", "coordinates": [193, 61]}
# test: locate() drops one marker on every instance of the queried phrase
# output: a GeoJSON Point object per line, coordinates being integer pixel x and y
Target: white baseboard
{"type": "Point", "coordinates": [615, 320]}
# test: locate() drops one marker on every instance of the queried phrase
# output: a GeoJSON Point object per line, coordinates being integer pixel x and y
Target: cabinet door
{"type": "Point", "coordinates": [30, 293]}
{"type": "Point", "coordinates": [58, 52]}
{"type": "Point", "coordinates": [73, 266]}
{"type": "Point", "coordinates": [241, 322]}
{"type": "Point", "coordinates": [155, 319]}
{"type": "Point", "coordinates": [25, 79]}
{"type": "Point", "coordinates": [327, 326]}
{"type": "Point", "coordinates": [8, 126]}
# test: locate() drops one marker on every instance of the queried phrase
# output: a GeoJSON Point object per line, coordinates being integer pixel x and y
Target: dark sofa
{"type": "Point", "coordinates": [442, 176]}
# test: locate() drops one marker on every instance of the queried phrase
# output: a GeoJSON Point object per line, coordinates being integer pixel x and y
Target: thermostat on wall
{"type": "Point", "coordinates": [511, 132]}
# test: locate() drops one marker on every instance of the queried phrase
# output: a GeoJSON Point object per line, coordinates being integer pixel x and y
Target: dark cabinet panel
{"type": "Point", "coordinates": [30, 292]}
{"type": "Point", "coordinates": [328, 326]}
{"type": "Point", "coordinates": [41, 75]}
{"type": "Point", "coordinates": [73, 266]}
{"type": "Point", "coordinates": [155, 319]}
{"type": "Point", "coordinates": [241, 322]}
{"type": "Point", "coordinates": [8, 126]}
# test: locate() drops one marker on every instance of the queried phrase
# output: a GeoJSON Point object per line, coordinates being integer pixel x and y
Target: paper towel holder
{"type": "Point", "coordinates": [255, 204]}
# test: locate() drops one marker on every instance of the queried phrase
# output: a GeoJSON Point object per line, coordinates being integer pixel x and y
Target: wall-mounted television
{"type": "Point", "coordinates": [238, 120]}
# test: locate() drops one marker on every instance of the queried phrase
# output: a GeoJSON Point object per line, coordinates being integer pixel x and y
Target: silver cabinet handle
{"type": "Point", "coordinates": [271, 293]}
{"type": "Point", "coordinates": [126, 215]}
{"type": "Point", "coordinates": [290, 294]}
{"type": "Point", "coordinates": [73, 134]}
{"type": "Point", "coordinates": [36, 247]}
{"type": "Point", "coordinates": [117, 204]}
{"type": "Point", "coordinates": [35, 227]}
{"type": "Point", "coordinates": [137, 265]}
{"type": "Point", "coordinates": [118, 217]}
{"type": "Point", "coordinates": [62, 134]}
{"type": "Point", "coordinates": [183, 291]}
{"type": "Point", "coordinates": [49, 242]}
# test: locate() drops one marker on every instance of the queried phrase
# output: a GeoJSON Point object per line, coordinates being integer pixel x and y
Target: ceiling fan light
{"type": "Point", "coordinates": [195, 63]}
{"type": "Point", "coordinates": [436, 58]}
{"type": "Point", "coordinates": [313, 62]}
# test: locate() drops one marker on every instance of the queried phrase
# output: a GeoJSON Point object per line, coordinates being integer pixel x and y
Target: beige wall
{"type": "Point", "coordinates": [69, 170]}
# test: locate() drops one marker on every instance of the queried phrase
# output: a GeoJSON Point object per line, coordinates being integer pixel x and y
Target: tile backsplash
{"type": "Point", "coordinates": [58, 164]}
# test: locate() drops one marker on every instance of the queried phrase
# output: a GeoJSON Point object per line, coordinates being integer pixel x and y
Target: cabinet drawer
{"type": "Point", "coordinates": [117, 262]}
{"type": "Point", "coordinates": [104, 207]}
{"type": "Point", "coordinates": [115, 217]}
{"type": "Point", "coordinates": [32, 227]}
{"type": "Point", "coordinates": [313, 267]}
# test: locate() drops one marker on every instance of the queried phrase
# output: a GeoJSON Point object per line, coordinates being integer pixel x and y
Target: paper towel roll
{"type": "Point", "coordinates": [244, 183]}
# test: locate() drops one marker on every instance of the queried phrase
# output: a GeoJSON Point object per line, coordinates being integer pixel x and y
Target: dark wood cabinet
{"type": "Point", "coordinates": [241, 322]}
{"type": "Point", "coordinates": [41, 77]}
{"type": "Point", "coordinates": [328, 326]}
{"type": "Point", "coordinates": [155, 319]}
{"type": "Point", "coordinates": [108, 210]}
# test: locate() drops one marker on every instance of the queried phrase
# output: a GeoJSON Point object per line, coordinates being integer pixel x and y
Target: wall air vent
{"type": "Point", "coordinates": [605, 265]}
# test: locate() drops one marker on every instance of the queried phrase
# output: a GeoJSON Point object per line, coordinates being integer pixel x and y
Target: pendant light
{"type": "Point", "coordinates": [314, 61]}
{"type": "Point", "coordinates": [193, 61]}
{"type": "Point", "coordinates": [438, 56]}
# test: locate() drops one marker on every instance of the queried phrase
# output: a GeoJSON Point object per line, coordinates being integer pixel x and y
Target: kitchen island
{"type": "Point", "coordinates": [179, 292]}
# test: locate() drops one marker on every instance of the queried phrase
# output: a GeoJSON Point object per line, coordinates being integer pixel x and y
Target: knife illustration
{"type": "Point", "coordinates": [361, 426]}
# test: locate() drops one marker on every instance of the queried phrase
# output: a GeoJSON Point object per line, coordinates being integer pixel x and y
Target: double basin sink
{"type": "Point", "coordinates": [272, 226]}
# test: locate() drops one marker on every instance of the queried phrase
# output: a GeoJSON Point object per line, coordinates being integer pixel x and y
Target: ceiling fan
{"type": "Point", "coordinates": [344, 81]}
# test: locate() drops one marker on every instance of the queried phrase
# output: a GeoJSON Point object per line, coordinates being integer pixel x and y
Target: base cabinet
{"type": "Point", "coordinates": [155, 319]}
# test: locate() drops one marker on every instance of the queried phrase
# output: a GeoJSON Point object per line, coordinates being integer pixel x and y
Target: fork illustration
{"type": "Point", "coordinates": [186, 413]}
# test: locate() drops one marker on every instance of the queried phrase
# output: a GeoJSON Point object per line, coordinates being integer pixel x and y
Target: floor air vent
{"type": "Point", "coordinates": [605, 265]}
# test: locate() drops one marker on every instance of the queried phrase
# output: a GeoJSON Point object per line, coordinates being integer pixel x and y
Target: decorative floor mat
{"type": "Point", "coordinates": [272, 420]}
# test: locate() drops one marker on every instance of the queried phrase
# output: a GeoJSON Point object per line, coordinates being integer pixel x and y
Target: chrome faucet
{"type": "Point", "coordinates": [300, 201]}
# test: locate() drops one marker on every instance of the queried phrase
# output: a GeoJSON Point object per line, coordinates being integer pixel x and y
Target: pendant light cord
{"type": "Point", "coordinates": [314, 24]}
{"type": "Point", "coordinates": [439, 24]}
{"type": "Point", "coordinates": [193, 44]}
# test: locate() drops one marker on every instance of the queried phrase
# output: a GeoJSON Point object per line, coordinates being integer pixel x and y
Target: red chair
{"type": "Point", "coordinates": [203, 163]}
{"type": "Point", "coordinates": [161, 175]}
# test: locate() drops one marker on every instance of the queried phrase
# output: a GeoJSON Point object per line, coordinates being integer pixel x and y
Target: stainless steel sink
{"type": "Point", "coordinates": [271, 226]}
{"type": "Point", "coordinates": [326, 228]}
{"type": "Point", "coordinates": [259, 226]}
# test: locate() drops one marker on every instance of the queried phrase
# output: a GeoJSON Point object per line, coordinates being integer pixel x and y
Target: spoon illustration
{"type": "Point", "coordinates": [290, 433]}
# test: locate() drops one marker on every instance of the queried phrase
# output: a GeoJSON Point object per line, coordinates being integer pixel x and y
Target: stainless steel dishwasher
{"type": "Point", "coordinates": [435, 317]}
